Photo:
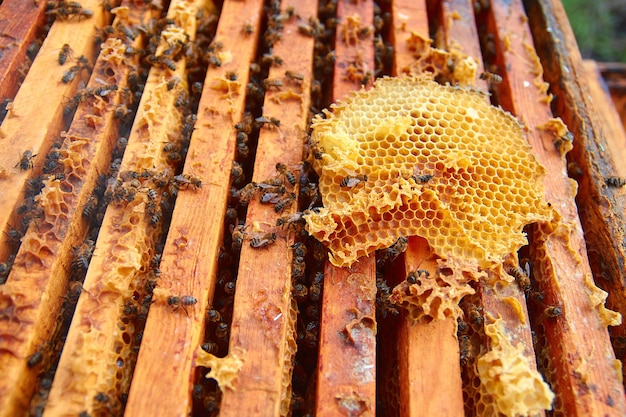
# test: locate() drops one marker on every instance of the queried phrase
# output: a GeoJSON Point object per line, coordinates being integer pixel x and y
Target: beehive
{"type": "Point", "coordinates": [154, 182]}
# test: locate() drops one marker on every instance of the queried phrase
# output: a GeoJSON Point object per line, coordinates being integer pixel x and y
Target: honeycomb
{"type": "Point", "coordinates": [413, 157]}
{"type": "Point", "coordinates": [507, 376]}
{"type": "Point", "coordinates": [436, 296]}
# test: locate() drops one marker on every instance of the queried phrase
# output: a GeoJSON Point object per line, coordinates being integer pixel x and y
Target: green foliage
{"type": "Point", "coordinates": [600, 28]}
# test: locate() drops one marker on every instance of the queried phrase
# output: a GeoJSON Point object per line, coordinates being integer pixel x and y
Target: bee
{"type": "Point", "coordinates": [213, 315]}
{"type": "Point", "coordinates": [474, 315]}
{"type": "Point", "coordinates": [162, 61]}
{"type": "Point", "coordinates": [70, 74]}
{"type": "Point", "coordinates": [35, 359]}
{"type": "Point", "coordinates": [263, 241]}
{"type": "Point", "coordinates": [238, 235]}
{"type": "Point", "coordinates": [461, 326]}
{"type": "Point", "coordinates": [64, 53]}
{"type": "Point", "coordinates": [615, 181]}
{"type": "Point", "coordinates": [293, 221]}
{"type": "Point", "coordinates": [490, 77]}
{"type": "Point", "coordinates": [284, 202]}
{"type": "Point", "coordinates": [269, 197]}
{"type": "Point", "coordinates": [172, 82]}
{"type": "Point", "coordinates": [414, 276]}
{"type": "Point", "coordinates": [26, 160]}
{"type": "Point", "coordinates": [289, 176]}
{"type": "Point", "coordinates": [5, 269]}
{"type": "Point", "coordinates": [242, 150]}
{"type": "Point", "coordinates": [306, 30]}
{"type": "Point", "coordinates": [271, 121]}
{"type": "Point", "coordinates": [299, 292]}
{"type": "Point", "coordinates": [299, 249]}
{"type": "Point", "coordinates": [182, 301]}
{"type": "Point", "coordinates": [242, 137]}
{"type": "Point", "coordinates": [231, 75]}
{"type": "Point", "coordinates": [269, 59]}
{"type": "Point", "coordinates": [82, 256]}
{"type": "Point", "coordinates": [247, 193]}
{"type": "Point", "coordinates": [247, 28]}
{"type": "Point", "coordinates": [315, 289]}
{"type": "Point", "coordinates": [294, 76]}
{"type": "Point", "coordinates": [353, 180]}
{"type": "Point", "coordinates": [187, 180]}
{"type": "Point", "coordinates": [90, 207]}
{"type": "Point", "coordinates": [553, 311]}
{"type": "Point", "coordinates": [422, 179]}
{"type": "Point", "coordinates": [210, 347]}
{"type": "Point", "coordinates": [297, 270]}
{"type": "Point", "coordinates": [221, 331]}
{"type": "Point", "coordinates": [272, 82]}
{"type": "Point", "coordinates": [521, 277]}
{"type": "Point", "coordinates": [229, 287]}
{"type": "Point", "coordinates": [245, 125]}
{"type": "Point", "coordinates": [156, 218]}
{"type": "Point", "coordinates": [465, 350]}
{"type": "Point", "coordinates": [236, 173]}
{"type": "Point", "coordinates": [389, 254]}
{"type": "Point", "coordinates": [311, 335]}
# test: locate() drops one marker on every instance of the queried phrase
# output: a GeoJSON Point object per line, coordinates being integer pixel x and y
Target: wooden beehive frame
{"type": "Point", "coordinates": [263, 329]}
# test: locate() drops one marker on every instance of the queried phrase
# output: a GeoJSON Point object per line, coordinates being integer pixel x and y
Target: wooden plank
{"type": "Point", "coordinates": [442, 394]}
{"type": "Point", "coordinates": [264, 316]}
{"type": "Point", "coordinates": [609, 117]}
{"type": "Point", "coordinates": [602, 209]}
{"type": "Point", "coordinates": [428, 353]}
{"type": "Point", "coordinates": [460, 33]}
{"type": "Point", "coordinates": [165, 390]}
{"type": "Point", "coordinates": [41, 282]}
{"type": "Point", "coordinates": [562, 263]}
{"type": "Point", "coordinates": [407, 16]}
{"type": "Point", "coordinates": [36, 117]}
{"type": "Point", "coordinates": [96, 364]}
{"type": "Point", "coordinates": [30, 300]}
{"type": "Point", "coordinates": [346, 373]}
{"type": "Point", "coordinates": [22, 20]}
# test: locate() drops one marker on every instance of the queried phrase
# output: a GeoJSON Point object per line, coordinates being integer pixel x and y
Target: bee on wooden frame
{"type": "Point", "coordinates": [294, 221]}
{"type": "Point", "coordinates": [553, 311]}
{"type": "Point", "coordinates": [289, 175]}
{"type": "Point", "coordinates": [182, 301]}
{"type": "Point", "coordinates": [294, 76]}
{"type": "Point", "coordinates": [263, 241]}
{"type": "Point", "coordinates": [284, 202]}
{"type": "Point", "coordinates": [247, 28]}
{"type": "Point", "coordinates": [272, 82]}
{"type": "Point", "coordinates": [187, 180]}
{"type": "Point", "coordinates": [522, 277]}
{"type": "Point", "coordinates": [270, 121]}
{"type": "Point", "coordinates": [26, 160]}
{"type": "Point", "coordinates": [64, 53]}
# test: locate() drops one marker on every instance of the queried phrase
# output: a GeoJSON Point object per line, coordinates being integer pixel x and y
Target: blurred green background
{"type": "Point", "coordinates": [600, 28]}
